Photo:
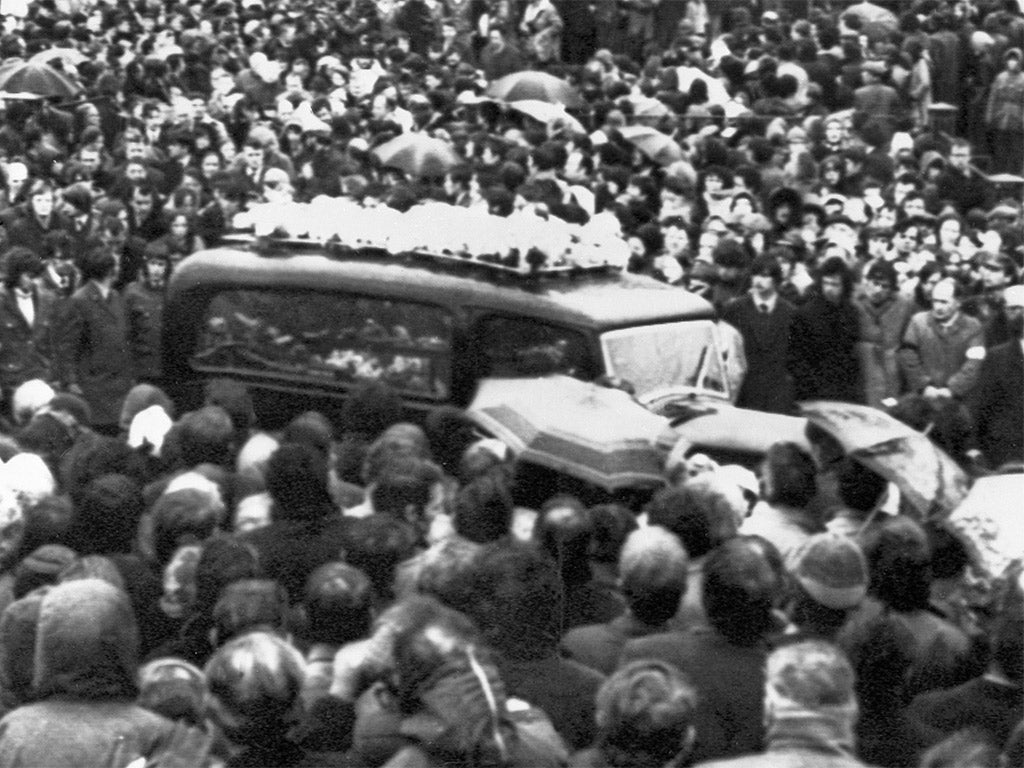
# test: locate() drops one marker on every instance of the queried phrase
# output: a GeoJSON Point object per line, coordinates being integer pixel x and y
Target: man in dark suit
{"type": "Point", "coordinates": [959, 182]}
{"type": "Point", "coordinates": [763, 319]}
{"type": "Point", "coordinates": [998, 399]}
{"type": "Point", "coordinates": [725, 660]}
{"type": "Point", "coordinates": [93, 359]}
{"type": "Point", "coordinates": [25, 316]}
{"type": "Point", "coordinates": [652, 569]}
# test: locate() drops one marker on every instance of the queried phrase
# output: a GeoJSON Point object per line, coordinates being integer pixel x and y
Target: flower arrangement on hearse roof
{"type": "Point", "coordinates": [527, 241]}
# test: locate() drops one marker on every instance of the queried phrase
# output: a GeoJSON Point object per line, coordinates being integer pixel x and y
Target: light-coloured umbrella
{"type": "Point", "coordinates": [989, 522]}
{"type": "Point", "coordinates": [590, 432]}
{"type": "Point", "coordinates": [71, 56]}
{"type": "Point", "coordinates": [535, 85]}
{"type": "Point", "coordinates": [418, 155]}
{"type": "Point", "coordinates": [646, 108]}
{"type": "Point", "coordinates": [877, 21]}
{"type": "Point", "coordinates": [929, 479]}
{"type": "Point", "coordinates": [717, 94]}
{"type": "Point", "coordinates": [658, 146]}
{"type": "Point", "coordinates": [552, 115]}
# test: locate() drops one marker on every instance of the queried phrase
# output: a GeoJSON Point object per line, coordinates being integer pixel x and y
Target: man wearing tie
{"type": "Point", "coordinates": [93, 359]}
{"type": "Point", "coordinates": [763, 319]}
{"type": "Point", "coordinates": [26, 314]}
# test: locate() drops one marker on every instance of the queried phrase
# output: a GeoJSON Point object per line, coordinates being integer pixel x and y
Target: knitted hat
{"type": "Point", "coordinates": [832, 570]}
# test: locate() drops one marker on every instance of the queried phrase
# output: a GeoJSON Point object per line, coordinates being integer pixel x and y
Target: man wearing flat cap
{"type": "Point", "coordinates": [875, 99]}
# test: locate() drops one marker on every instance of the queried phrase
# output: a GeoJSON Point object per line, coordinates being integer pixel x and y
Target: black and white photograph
{"type": "Point", "coordinates": [511, 383]}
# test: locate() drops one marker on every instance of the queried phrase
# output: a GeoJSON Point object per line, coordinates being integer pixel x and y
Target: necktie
{"type": "Point", "coordinates": [764, 309]}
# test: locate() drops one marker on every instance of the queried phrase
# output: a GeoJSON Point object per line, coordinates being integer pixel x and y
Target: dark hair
{"type": "Point", "coordinates": [311, 428]}
{"type": "Point", "coordinates": [338, 601]}
{"type": "Point", "coordinates": [106, 516]}
{"type": "Point", "coordinates": [296, 479]}
{"type": "Point", "coordinates": [371, 408]}
{"type": "Point", "coordinates": [179, 518]}
{"type": "Point", "coordinates": [693, 514]}
{"type": "Point", "coordinates": [612, 523]}
{"type": "Point", "coordinates": [405, 487]}
{"type": "Point", "coordinates": [222, 560]}
{"type": "Point", "coordinates": [376, 545]}
{"type": "Point", "coordinates": [899, 563]}
{"type": "Point", "coordinates": [881, 653]}
{"type": "Point", "coordinates": [483, 507]}
{"type": "Point", "coordinates": [549, 156]}
{"type": "Point", "coordinates": [766, 266]}
{"type": "Point", "coordinates": [514, 595]}
{"type": "Point", "coordinates": [883, 271]}
{"type": "Point", "coordinates": [563, 531]}
{"type": "Point", "coordinates": [792, 473]}
{"type": "Point", "coordinates": [740, 586]}
{"type": "Point", "coordinates": [234, 398]}
{"type": "Point", "coordinates": [834, 266]}
{"type": "Point", "coordinates": [97, 263]}
{"type": "Point", "coordinates": [249, 605]}
{"type": "Point", "coordinates": [860, 488]}
{"type": "Point", "coordinates": [206, 436]}
{"type": "Point", "coordinates": [449, 432]}
{"type": "Point", "coordinates": [20, 261]}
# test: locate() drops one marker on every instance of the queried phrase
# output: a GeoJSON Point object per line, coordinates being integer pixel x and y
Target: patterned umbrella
{"type": "Point", "coordinates": [989, 521]}
{"type": "Point", "coordinates": [877, 21]}
{"type": "Point", "coordinates": [37, 78]}
{"type": "Point", "coordinates": [535, 85]}
{"type": "Point", "coordinates": [418, 155]}
{"type": "Point", "coordinates": [930, 480]}
{"type": "Point", "coordinates": [580, 429]}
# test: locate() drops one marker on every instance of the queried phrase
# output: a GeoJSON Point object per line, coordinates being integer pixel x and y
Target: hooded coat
{"type": "Point", "coordinates": [84, 679]}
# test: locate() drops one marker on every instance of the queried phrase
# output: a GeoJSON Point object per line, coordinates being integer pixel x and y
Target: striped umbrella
{"type": "Point", "coordinates": [590, 432]}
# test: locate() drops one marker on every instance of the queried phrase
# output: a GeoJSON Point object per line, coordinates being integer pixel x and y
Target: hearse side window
{"type": "Point", "coordinates": [327, 338]}
{"type": "Point", "coordinates": [516, 346]}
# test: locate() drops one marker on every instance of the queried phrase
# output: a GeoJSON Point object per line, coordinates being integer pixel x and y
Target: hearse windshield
{"type": "Point", "coordinates": [666, 356]}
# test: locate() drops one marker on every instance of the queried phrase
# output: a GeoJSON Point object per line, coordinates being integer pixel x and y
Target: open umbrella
{"type": "Point", "coordinates": [658, 146]}
{"type": "Point", "coordinates": [552, 115]}
{"type": "Point", "coordinates": [535, 85]}
{"type": "Point", "coordinates": [928, 479]}
{"type": "Point", "coordinates": [418, 155]}
{"type": "Point", "coordinates": [646, 108]}
{"type": "Point", "coordinates": [596, 434]}
{"type": "Point", "coordinates": [27, 77]}
{"type": "Point", "coordinates": [877, 21]}
{"type": "Point", "coordinates": [71, 56]}
{"type": "Point", "coordinates": [717, 94]}
{"type": "Point", "coordinates": [989, 522]}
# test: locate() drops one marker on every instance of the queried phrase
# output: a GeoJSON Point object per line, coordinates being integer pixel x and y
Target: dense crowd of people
{"type": "Point", "coordinates": [844, 186]}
